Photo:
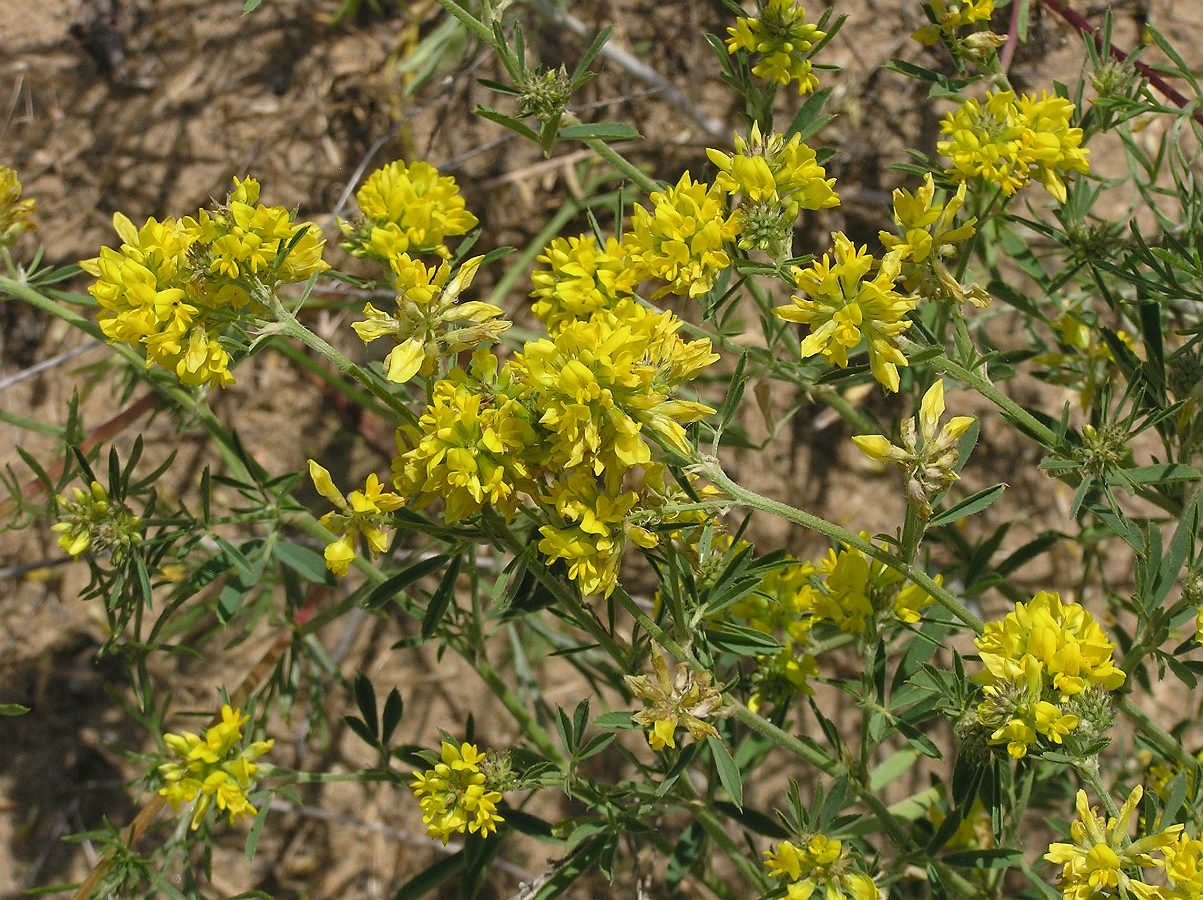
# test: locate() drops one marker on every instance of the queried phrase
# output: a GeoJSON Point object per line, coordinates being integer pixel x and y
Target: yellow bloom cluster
{"type": "Point", "coordinates": [91, 520]}
{"type": "Point", "coordinates": [214, 768]}
{"type": "Point", "coordinates": [783, 38]}
{"type": "Point", "coordinates": [14, 212]}
{"type": "Point", "coordinates": [581, 279]}
{"type": "Point", "coordinates": [1008, 142]}
{"type": "Point", "coordinates": [1184, 868]}
{"type": "Point", "coordinates": [363, 513]}
{"type": "Point", "coordinates": [950, 15]}
{"type": "Point", "coordinates": [774, 179]}
{"type": "Point", "coordinates": [844, 305]}
{"type": "Point", "coordinates": [1038, 657]}
{"type": "Point", "coordinates": [406, 209]}
{"type": "Point", "coordinates": [455, 795]}
{"type": "Point", "coordinates": [1103, 861]}
{"type": "Point", "coordinates": [857, 590]}
{"type": "Point", "coordinates": [681, 239]}
{"type": "Point", "coordinates": [928, 238]}
{"type": "Point", "coordinates": [823, 867]}
{"type": "Point", "coordinates": [175, 285]}
{"type": "Point", "coordinates": [429, 323]}
{"type": "Point", "coordinates": [683, 700]}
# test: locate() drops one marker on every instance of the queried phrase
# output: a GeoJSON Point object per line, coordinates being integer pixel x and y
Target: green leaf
{"type": "Point", "coordinates": [967, 507]}
{"type": "Point", "coordinates": [365, 699]}
{"type": "Point", "coordinates": [393, 708]}
{"type": "Point", "coordinates": [1157, 474]}
{"type": "Point", "coordinates": [252, 838]}
{"type": "Point", "coordinates": [250, 6]}
{"type": "Point", "coordinates": [728, 772]}
{"type": "Point", "coordinates": [740, 640]}
{"type": "Point", "coordinates": [571, 868]}
{"type": "Point", "coordinates": [983, 859]}
{"type": "Point", "coordinates": [810, 118]}
{"type": "Point", "coordinates": [385, 591]}
{"type": "Point", "coordinates": [893, 768]}
{"type": "Point", "coordinates": [13, 709]}
{"type": "Point", "coordinates": [309, 565]}
{"type": "Point", "coordinates": [428, 879]}
{"type": "Point", "coordinates": [614, 720]}
{"type": "Point", "coordinates": [693, 840]}
{"type": "Point", "coordinates": [751, 819]}
{"type": "Point", "coordinates": [441, 599]}
{"type": "Point", "coordinates": [508, 122]}
{"type": "Point", "coordinates": [608, 131]}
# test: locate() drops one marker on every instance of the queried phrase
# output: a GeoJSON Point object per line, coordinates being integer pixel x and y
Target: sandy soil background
{"type": "Point", "coordinates": [150, 107]}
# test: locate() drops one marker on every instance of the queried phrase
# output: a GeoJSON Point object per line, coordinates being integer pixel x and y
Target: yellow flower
{"type": "Point", "coordinates": [928, 457]}
{"type": "Point", "coordinates": [1184, 867]}
{"type": "Point", "coordinates": [15, 213]}
{"type": "Point", "coordinates": [1007, 142]}
{"type": "Point", "coordinates": [780, 34]}
{"type": "Point", "coordinates": [950, 15]}
{"type": "Point", "coordinates": [843, 306]}
{"type": "Point", "coordinates": [468, 448]}
{"type": "Point", "coordinates": [581, 279]}
{"type": "Point", "coordinates": [430, 323]}
{"type": "Point", "coordinates": [1102, 857]}
{"type": "Point", "coordinates": [683, 700]}
{"type": "Point", "coordinates": [824, 866]}
{"type": "Point", "coordinates": [407, 209]}
{"type": "Point", "coordinates": [681, 239]}
{"type": "Point", "coordinates": [213, 768]}
{"type": "Point", "coordinates": [363, 513]}
{"type": "Point", "coordinates": [455, 795]}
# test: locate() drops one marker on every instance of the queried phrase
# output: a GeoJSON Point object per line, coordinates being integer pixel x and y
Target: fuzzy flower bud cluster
{"type": "Point", "coordinates": [213, 770]}
{"type": "Point", "coordinates": [1040, 658]}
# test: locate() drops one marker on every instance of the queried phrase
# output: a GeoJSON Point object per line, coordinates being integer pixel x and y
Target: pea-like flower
{"type": "Point", "coordinates": [15, 213]}
{"type": "Point", "coordinates": [1102, 858]}
{"type": "Point", "coordinates": [822, 867]}
{"type": "Point", "coordinates": [455, 795]}
{"type": "Point", "coordinates": [783, 38]}
{"type": "Point", "coordinates": [213, 770]}
{"type": "Point", "coordinates": [844, 305]}
{"type": "Point", "coordinates": [581, 278]}
{"type": "Point", "coordinates": [364, 513]}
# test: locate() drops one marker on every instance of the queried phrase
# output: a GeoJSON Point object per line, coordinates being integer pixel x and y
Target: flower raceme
{"type": "Point", "coordinates": [364, 513]}
{"type": "Point", "coordinates": [783, 38]}
{"type": "Point", "coordinates": [845, 304]}
{"type": "Point", "coordinates": [1008, 142]}
{"type": "Point", "coordinates": [822, 867]}
{"type": "Point", "coordinates": [1037, 659]}
{"type": "Point", "coordinates": [175, 286]}
{"type": "Point", "coordinates": [91, 520]}
{"type": "Point", "coordinates": [455, 795]}
{"type": "Point", "coordinates": [213, 770]}
{"type": "Point", "coordinates": [581, 278]}
{"type": "Point", "coordinates": [15, 213]}
{"type": "Point", "coordinates": [406, 209]}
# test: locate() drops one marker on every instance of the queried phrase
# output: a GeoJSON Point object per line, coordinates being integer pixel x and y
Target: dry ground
{"type": "Point", "coordinates": [150, 107]}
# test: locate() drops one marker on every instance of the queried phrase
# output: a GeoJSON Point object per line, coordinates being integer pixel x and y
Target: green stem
{"type": "Point", "coordinates": [712, 472]}
{"type": "Point", "coordinates": [1089, 770]}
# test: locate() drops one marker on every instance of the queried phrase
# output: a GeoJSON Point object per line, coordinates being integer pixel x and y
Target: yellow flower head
{"type": "Point", "coordinates": [407, 209]}
{"type": "Point", "coordinates": [214, 769]}
{"type": "Point", "coordinates": [844, 305]}
{"type": "Point", "coordinates": [1102, 857]}
{"type": "Point", "coordinates": [783, 38]}
{"type": "Point", "coordinates": [364, 513]}
{"type": "Point", "coordinates": [468, 448]}
{"type": "Point", "coordinates": [823, 867]}
{"type": "Point", "coordinates": [581, 279]}
{"type": "Point", "coordinates": [455, 796]}
{"type": "Point", "coordinates": [15, 213]}
{"type": "Point", "coordinates": [681, 239]}
{"type": "Point", "coordinates": [1184, 867]}
{"type": "Point", "coordinates": [950, 15]}
{"type": "Point", "coordinates": [1007, 142]}
{"type": "Point", "coordinates": [91, 520]}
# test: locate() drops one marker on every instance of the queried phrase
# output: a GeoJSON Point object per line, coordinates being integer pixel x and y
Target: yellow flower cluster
{"type": "Point", "coordinates": [429, 323]}
{"type": "Point", "coordinates": [857, 591]}
{"type": "Point", "coordinates": [364, 513]}
{"type": "Point", "coordinates": [928, 238]}
{"type": "Point", "coordinates": [175, 285]}
{"type": "Point", "coordinates": [15, 213]}
{"type": "Point", "coordinates": [1008, 142]}
{"type": "Point", "coordinates": [1103, 861]}
{"type": "Point", "coordinates": [455, 795]}
{"type": "Point", "coordinates": [406, 209]}
{"type": "Point", "coordinates": [214, 769]}
{"type": "Point", "coordinates": [823, 867]}
{"type": "Point", "coordinates": [783, 38]}
{"type": "Point", "coordinates": [683, 700]}
{"type": "Point", "coordinates": [1184, 868]}
{"type": "Point", "coordinates": [845, 304]}
{"type": "Point", "coordinates": [681, 239]}
{"type": "Point", "coordinates": [581, 279]}
{"type": "Point", "coordinates": [774, 179]}
{"type": "Point", "coordinates": [91, 520]}
{"type": "Point", "coordinates": [1037, 658]}
{"type": "Point", "coordinates": [950, 15]}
